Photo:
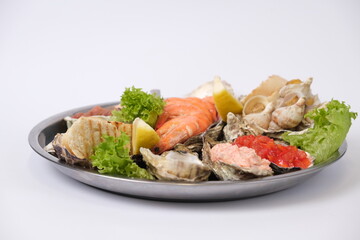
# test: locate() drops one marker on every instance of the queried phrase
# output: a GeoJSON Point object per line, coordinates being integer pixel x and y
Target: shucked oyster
{"type": "Point", "coordinates": [175, 166]}
{"type": "Point", "coordinates": [229, 162]}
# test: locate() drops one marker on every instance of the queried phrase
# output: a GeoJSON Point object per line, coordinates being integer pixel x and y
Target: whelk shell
{"type": "Point", "coordinates": [289, 116]}
{"type": "Point", "coordinates": [260, 119]}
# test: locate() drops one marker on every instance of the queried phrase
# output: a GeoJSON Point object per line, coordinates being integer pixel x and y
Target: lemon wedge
{"type": "Point", "coordinates": [143, 135]}
{"type": "Point", "coordinates": [225, 102]}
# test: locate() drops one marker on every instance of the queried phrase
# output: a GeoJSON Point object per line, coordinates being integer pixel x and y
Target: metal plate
{"type": "Point", "coordinates": [44, 132]}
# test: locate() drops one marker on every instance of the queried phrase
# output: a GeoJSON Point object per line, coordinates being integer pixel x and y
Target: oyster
{"type": "Point", "coordinates": [175, 166]}
{"type": "Point", "coordinates": [195, 143]}
{"type": "Point", "coordinates": [62, 153]}
{"type": "Point", "coordinates": [236, 127]}
{"type": "Point", "coordinates": [229, 162]}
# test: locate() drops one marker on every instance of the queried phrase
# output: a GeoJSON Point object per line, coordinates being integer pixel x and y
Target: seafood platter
{"type": "Point", "coordinates": [210, 145]}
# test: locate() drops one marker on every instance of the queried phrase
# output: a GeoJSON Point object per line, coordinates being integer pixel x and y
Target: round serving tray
{"type": "Point", "coordinates": [44, 132]}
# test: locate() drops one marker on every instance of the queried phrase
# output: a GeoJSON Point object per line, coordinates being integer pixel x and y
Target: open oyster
{"type": "Point", "coordinates": [175, 166]}
{"type": "Point", "coordinates": [195, 144]}
{"type": "Point", "coordinates": [64, 154]}
{"type": "Point", "coordinates": [243, 163]}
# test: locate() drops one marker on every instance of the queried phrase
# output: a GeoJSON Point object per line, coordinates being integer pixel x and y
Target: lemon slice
{"type": "Point", "coordinates": [225, 102]}
{"type": "Point", "coordinates": [143, 135]}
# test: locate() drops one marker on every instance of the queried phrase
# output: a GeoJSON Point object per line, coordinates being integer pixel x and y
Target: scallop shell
{"type": "Point", "coordinates": [267, 88]}
{"type": "Point", "coordinates": [175, 166]}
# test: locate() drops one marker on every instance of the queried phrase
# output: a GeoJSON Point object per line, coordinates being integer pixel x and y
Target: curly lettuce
{"type": "Point", "coordinates": [137, 103]}
{"type": "Point", "coordinates": [331, 125]}
{"type": "Point", "coordinates": [112, 157]}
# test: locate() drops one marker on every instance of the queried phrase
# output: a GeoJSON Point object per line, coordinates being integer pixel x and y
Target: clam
{"type": "Point", "coordinates": [176, 166]}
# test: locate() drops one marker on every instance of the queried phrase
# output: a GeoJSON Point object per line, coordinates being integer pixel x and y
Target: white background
{"type": "Point", "coordinates": [58, 55]}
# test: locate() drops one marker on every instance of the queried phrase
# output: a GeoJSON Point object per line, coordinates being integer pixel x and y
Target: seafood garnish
{"type": "Point", "coordinates": [280, 127]}
{"type": "Point", "coordinates": [176, 166]}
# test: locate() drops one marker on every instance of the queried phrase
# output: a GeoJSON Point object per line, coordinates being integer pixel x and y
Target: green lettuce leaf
{"type": "Point", "coordinates": [137, 103]}
{"type": "Point", "coordinates": [112, 157]}
{"type": "Point", "coordinates": [331, 125]}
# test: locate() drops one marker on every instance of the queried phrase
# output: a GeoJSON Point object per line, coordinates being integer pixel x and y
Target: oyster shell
{"type": "Point", "coordinates": [62, 153]}
{"type": "Point", "coordinates": [175, 166]}
{"type": "Point", "coordinates": [236, 127]}
{"type": "Point", "coordinates": [281, 170]}
{"type": "Point", "coordinates": [242, 169]}
{"type": "Point", "coordinates": [195, 143]}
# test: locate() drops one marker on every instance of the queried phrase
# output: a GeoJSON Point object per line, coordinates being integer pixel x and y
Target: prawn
{"type": "Point", "coordinates": [183, 118]}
